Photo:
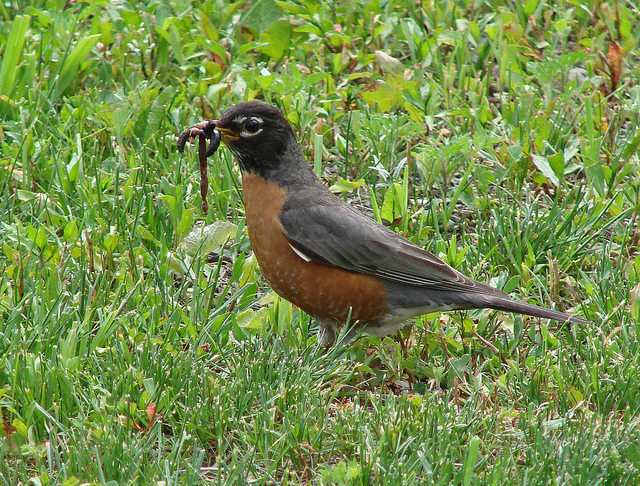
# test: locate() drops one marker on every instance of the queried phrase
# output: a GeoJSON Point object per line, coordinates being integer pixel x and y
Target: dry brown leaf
{"type": "Point", "coordinates": [151, 411]}
{"type": "Point", "coordinates": [614, 61]}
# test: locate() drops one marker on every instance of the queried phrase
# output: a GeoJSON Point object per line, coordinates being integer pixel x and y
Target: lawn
{"type": "Point", "coordinates": [138, 341]}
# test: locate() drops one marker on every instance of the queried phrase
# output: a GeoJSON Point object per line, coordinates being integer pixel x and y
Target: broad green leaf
{"type": "Point", "coordinates": [147, 235]}
{"type": "Point", "coordinates": [21, 427]}
{"type": "Point", "coordinates": [110, 242]}
{"type": "Point", "coordinates": [41, 237]}
{"type": "Point", "coordinates": [157, 113]}
{"type": "Point", "coordinates": [468, 324]}
{"type": "Point", "coordinates": [571, 150]}
{"type": "Point", "coordinates": [249, 268]}
{"type": "Point", "coordinates": [71, 230]}
{"type": "Point", "coordinates": [632, 147]}
{"type": "Point", "coordinates": [10, 252]}
{"type": "Point", "coordinates": [392, 206]}
{"type": "Point", "coordinates": [557, 163]}
{"type": "Point", "coordinates": [530, 7]}
{"type": "Point", "coordinates": [543, 166]}
{"type": "Point", "coordinates": [388, 64]}
{"type": "Point", "coordinates": [384, 96]}
{"type": "Point", "coordinates": [203, 240]}
{"type": "Point", "coordinates": [342, 186]}
{"type": "Point", "coordinates": [186, 220]}
{"type": "Point", "coordinates": [472, 456]}
{"type": "Point", "coordinates": [302, 10]}
{"type": "Point", "coordinates": [309, 29]}
{"type": "Point", "coordinates": [261, 14]}
{"type": "Point", "coordinates": [12, 52]}
{"type": "Point", "coordinates": [73, 168]}
{"type": "Point", "coordinates": [171, 203]}
{"type": "Point", "coordinates": [575, 395]}
{"type": "Point", "coordinates": [251, 319]}
{"type": "Point", "coordinates": [276, 39]}
{"type": "Point", "coordinates": [71, 65]}
{"type": "Point", "coordinates": [176, 43]}
{"type": "Point", "coordinates": [119, 123]}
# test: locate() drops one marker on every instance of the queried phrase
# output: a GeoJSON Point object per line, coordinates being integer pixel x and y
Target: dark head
{"type": "Point", "coordinates": [258, 134]}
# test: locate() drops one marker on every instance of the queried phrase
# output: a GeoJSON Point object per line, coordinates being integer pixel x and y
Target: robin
{"type": "Point", "coordinates": [323, 255]}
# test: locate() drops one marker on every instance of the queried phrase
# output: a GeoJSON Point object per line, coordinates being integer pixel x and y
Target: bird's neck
{"type": "Point", "coordinates": [292, 170]}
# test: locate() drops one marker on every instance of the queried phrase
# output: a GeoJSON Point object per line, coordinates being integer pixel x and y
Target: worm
{"type": "Point", "coordinates": [213, 146]}
{"type": "Point", "coordinates": [204, 131]}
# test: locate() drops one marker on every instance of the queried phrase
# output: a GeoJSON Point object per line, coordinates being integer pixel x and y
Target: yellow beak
{"type": "Point", "coordinates": [227, 135]}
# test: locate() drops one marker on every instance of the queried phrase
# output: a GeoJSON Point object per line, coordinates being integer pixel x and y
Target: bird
{"type": "Point", "coordinates": [328, 258]}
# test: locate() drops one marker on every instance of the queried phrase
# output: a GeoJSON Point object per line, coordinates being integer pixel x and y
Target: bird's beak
{"type": "Point", "coordinates": [227, 135]}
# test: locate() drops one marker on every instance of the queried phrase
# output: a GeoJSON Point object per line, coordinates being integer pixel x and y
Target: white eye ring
{"type": "Point", "coordinates": [251, 126]}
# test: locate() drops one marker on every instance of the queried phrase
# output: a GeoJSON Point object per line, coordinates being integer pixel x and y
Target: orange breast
{"type": "Point", "coordinates": [323, 291]}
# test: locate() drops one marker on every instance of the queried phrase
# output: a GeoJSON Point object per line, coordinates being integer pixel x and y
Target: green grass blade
{"type": "Point", "coordinates": [11, 54]}
{"type": "Point", "coordinates": [71, 65]}
{"type": "Point", "coordinates": [474, 446]}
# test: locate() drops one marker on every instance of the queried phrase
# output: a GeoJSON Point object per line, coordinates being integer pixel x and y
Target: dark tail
{"type": "Point", "coordinates": [510, 305]}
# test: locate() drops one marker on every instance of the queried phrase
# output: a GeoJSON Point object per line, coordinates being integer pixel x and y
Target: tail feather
{"type": "Point", "coordinates": [510, 305]}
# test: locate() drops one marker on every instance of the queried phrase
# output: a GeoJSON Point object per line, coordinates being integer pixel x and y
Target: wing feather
{"type": "Point", "coordinates": [334, 233]}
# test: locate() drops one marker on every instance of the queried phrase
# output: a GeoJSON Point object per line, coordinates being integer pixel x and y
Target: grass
{"type": "Point", "coordinates": [501, 136]}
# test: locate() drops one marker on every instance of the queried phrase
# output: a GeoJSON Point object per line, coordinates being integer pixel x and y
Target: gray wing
{"type": "Point", "coordinates": [334, 233]}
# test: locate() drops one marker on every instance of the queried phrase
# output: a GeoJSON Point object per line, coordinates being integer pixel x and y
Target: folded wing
{"type": "Point", "coordinates": [339, 235]}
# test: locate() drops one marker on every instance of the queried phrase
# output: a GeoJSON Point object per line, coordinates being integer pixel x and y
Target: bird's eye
{"type": "Point", "coordinates": [252, 125]}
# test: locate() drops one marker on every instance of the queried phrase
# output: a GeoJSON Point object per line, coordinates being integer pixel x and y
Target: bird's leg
{"type": "Point", "coordinates": [404, 338]}
{"type": "Point", "coordinates": [326, 334]}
